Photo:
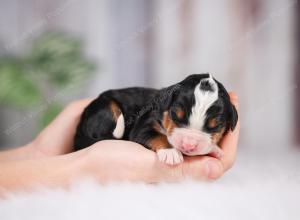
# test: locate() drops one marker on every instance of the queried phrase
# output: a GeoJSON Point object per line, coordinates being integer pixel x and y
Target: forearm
{"type": "Point", "coordinates": [26, 152]}
{"type": "Point", "coordinates": [62, 171]}
{"type": "Point", "coordinates": [106, 161]}
{"type": "Point", "coordinates": [55, 139]}
{"type": "Point", "coordinates": [22, 175]}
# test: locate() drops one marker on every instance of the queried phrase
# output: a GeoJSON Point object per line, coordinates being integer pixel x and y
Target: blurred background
{"type": "Point", "coordinates": [56, 51]}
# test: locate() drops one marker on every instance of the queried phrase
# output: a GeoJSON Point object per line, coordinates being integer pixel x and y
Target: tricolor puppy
{"type": "Point", "coordinates": [187, 118]}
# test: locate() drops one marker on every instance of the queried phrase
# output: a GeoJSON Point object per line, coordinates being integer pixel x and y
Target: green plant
{"type": "Point", "coordinates": [54, 63]}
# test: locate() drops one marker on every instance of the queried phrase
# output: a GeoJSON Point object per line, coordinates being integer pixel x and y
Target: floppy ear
{"type": "Point", "coordinates": [233, 115]}
{"type": "Point", "coordinates": [233, 118]}
{"type": "Point", "coordinates": [167, 96]}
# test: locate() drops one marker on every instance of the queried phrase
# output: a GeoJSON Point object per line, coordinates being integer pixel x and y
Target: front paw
{"type": "Point", "coordinates": [170, 156]}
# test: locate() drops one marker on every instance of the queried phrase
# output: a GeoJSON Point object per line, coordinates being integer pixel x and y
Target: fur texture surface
{"type": "Point", "coordinates": [260, 186]}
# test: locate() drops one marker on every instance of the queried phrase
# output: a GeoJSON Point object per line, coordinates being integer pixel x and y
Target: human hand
{"type": "Point", "coordinates": [230, 142]}
{"type": "Point", "coordinates": [57, 138]}
{"type": "Point", "coordinates": [106, 161]}
{"type": "Point", "coordinates": [129, 161]}
{"type": "Point", "coordinates": [130, 158]}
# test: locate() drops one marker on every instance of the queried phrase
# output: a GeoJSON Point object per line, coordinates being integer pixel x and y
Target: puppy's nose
{"type": "Point", "coordinates": [188, 144]}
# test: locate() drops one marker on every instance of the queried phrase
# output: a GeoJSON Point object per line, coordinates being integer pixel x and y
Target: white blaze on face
{"type": "Point", "coordinates": [192, 140]}
{"type": "Point", "coordinates": [203, 101]}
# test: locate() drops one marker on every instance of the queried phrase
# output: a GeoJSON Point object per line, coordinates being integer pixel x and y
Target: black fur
{"type": "Point", "coordinates": [143, 107]}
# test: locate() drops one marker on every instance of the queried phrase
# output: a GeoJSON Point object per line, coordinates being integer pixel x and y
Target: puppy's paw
{"type": "Point", "coordinates": [170, 156]}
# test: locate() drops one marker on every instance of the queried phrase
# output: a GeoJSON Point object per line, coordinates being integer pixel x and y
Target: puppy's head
{"type": "Point", "coordinates": [199, 113]}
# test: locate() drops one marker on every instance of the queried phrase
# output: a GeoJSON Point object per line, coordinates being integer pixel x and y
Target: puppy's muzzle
{"type": "Point", "coordinates": [191, 142]}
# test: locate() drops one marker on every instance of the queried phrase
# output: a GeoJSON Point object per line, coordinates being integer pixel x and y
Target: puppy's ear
{"type": "Point", "coordinates": [167, 96]}
{"type": "Point", "coordinates": [233, 117]}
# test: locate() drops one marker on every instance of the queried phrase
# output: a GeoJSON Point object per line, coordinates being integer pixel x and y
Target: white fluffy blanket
{"type": "Point", "coordinates": [260, 186]}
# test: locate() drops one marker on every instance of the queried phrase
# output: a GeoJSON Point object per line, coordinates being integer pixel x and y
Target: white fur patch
{"type": "Point", "coordinates": [120, 127]}
{"type": "Point", "coordinates": [203, 101]}
{"type": "Point", "coordinates": [170, 156]}
{"type": "Point", "coordinates": [191, 142]}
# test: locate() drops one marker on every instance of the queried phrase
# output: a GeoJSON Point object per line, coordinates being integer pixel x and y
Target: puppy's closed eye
{"type": "Point", "coordinates": [177, 113]}
{"type": "Point", "coordinates": [214, 124]}
{"type": "Point", "coordinates": [217, 129]}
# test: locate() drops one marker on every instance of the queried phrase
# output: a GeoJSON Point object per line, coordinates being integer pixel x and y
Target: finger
{"type": "Point", "coordinates": [202, 168]}
{"type": "Point", "coordinates": [198, 168]}
{"type": "Point", "coordinates": [216, 152]}
{"type": "Point", "coordinates": [60, 132]}
{"type": "Point", "coordinates": [68, 118]}
{"type": "Point", "coordinates": [78, 106]}
{"type": "Point", "coordinates": [234, 99]}
{"type": "Point", "coordinates": [230, 141]}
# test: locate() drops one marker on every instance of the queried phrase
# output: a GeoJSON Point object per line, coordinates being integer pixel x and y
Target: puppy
{"type": "Point", "coordinates": [189, 118]}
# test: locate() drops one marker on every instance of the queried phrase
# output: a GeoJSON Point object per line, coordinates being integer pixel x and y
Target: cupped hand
{"type": "Point", "coordinates": [123, 160]}
{"type": "Point", "coordinates": [57, 138]}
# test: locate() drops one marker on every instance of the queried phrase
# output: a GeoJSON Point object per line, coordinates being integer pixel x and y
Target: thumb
{"type": "Point", "coordinates": [199, 168]}
{"type": "Point", "coordinates": [202, 168]}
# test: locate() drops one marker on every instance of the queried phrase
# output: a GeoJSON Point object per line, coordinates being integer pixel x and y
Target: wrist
{"type": "Point", "coordinates": [76, 166]}
{"type": "Point", "coordinates": [34, 151]}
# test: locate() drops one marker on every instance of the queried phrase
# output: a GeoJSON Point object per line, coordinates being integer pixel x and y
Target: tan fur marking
{"type": "Point", "coordinates": [159, 142]}
{"type": "Point", "coordinates": [216, 137]}
{"type": "Point", "coordinates": [116, 111]}
{"type": "Point", "coordinates": [180, 113]}
{"type": "Point", "coordinates": [212, 123]}
{"type": "Point", "coordinates": [158, 128]}
{"type": "Point", "coordinates": [168, 123]}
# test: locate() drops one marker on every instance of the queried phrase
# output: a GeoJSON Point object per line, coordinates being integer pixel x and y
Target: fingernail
{"type": "Point", "coordinates": [213, 170]}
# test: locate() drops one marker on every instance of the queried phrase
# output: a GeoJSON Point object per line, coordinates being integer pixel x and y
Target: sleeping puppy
{"type": "Point", "coordinates": [189, 118]}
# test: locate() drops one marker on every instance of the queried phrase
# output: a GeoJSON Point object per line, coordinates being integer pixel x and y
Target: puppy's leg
{"type": "Point", "coordinates": [165, 152]}
{"type": "Point", "coordinates": [101, 120]}
{"type": "Point", "coordinates": [119, 129]}
{"type": "Point", "coordinates": [149, 133]}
